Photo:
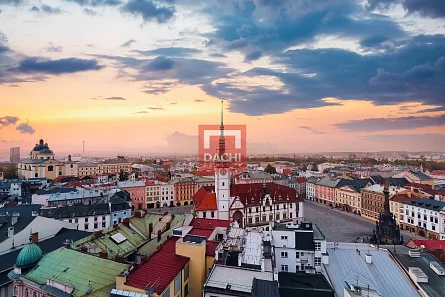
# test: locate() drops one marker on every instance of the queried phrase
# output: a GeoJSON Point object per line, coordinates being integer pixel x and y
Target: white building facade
{"type": "Point", "coordinates": [298, 247]}
{"type": "Point", "coordinates": [167, 194]}
{"type": "Point", "coordinates": [425, 217]}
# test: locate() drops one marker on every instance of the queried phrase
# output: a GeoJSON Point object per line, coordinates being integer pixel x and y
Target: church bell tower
{"type": "Point", "coordinates": [222, 177]}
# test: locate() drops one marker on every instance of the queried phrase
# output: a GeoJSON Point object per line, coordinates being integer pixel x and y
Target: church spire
{"type": "Point", "coordinates": [222, 141]}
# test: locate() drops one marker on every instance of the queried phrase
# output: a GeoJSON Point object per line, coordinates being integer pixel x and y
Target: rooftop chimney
{"type": "Point", "coordinates": [368, 258]}
{"type": "Point", "coordinates": [35, 237]}
{"type": "Point", "coordinates": [150, 230]}
{"type": "Point", "coordinates": [14, 220]}
{"type": "Point", "coordinates": [10, 232]}
{"type": "Point", "coordinates": [103, 255]}
{"type": "Point", "coordinates": [159, 235]}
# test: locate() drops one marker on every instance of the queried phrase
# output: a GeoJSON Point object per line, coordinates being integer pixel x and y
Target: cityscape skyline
{"type": "Point", "coordinates": [138, 77]}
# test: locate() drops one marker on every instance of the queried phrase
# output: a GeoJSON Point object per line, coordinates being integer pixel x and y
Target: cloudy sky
{"type": "Point", "coordinates": [137, 76]}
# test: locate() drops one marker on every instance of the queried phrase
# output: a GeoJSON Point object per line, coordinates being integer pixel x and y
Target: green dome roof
{"type": "Point", "coordinates": [29, 255]}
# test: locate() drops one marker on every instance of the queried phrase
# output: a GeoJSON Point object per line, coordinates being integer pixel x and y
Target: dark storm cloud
{"type": "Point", "coordinates": [382, 124]}
{"type": "Point", "coordinates": [61, 66]}
{"type": "Point", "coordinates": [170, 52]}
{"type": "Point", "coordinates": [148, 10]}
{"type": "Point", "coordinates": [25, 128]}
{"type": "Point", "coordinates": [426, 8]}
{"type": "Point", "coordinates": [373, 40]}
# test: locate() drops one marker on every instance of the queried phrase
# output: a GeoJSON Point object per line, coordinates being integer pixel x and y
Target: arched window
{"type": "Point", "coordinates": [50, 168]}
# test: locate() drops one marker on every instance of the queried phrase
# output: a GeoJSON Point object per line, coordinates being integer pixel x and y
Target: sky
{"type": "Point", "coordinates": [139, 76]}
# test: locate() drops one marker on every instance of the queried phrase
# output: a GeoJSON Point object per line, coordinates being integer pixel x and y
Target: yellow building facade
{"type": "Point", "coordinates": [41, 163]}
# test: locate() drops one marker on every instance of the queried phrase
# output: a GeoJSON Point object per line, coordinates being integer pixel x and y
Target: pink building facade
{"type": "Point", "coordinates": [325, 191]}
{"type": "Point", "coordinates": [137, 193]}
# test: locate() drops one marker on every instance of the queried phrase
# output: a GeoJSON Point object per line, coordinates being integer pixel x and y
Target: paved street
{"type": "Point", "coordinates": [340, 226]}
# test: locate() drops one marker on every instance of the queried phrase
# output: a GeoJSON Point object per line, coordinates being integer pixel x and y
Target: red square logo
{"type": "Point", "coordinates": [233, 141]}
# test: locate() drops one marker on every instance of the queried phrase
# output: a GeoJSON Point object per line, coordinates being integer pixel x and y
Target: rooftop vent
{"type": "Point", "coordinates": [417, 275]}
{"type": "Point", "coordinates": [437, 268]}
{"type": "Point", "coordinates": [368, 258]}
{"type": "Point", "coordinates": [414, 253]}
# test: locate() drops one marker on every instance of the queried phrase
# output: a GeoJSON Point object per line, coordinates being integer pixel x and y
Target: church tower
{"type": "Point", "coordinates": [222, 177]}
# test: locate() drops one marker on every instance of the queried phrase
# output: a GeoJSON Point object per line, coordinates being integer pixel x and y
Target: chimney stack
{"type": "Point", "coordinates": [126, 221]}
{"type": "Point", "coordinates": [167, 227]}
{"type": "Point", "coordinates": [159, 235]}
{"type": "Point", "coordinates": [35, 237]}
{"type": "Point", "coordinates": [150, 230]}
{"type": "Point", "coordinates": [368, 258]}
{"type": "Point", "coordinates": [10, 232]}
{"type": "Point", "coordinates": [103, 255]}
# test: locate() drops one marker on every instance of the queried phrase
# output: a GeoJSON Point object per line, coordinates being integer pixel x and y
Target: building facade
{"type": "Point", "coordinates": [298, 247]}
{"type": "Point", "coordinates": [325, 191]}
{"type": "Point", "coordinates": [137, 193]}
{"type": "Point", "coordinates": [373, 199]}
{"type": "Point", "coordinates": [184, 189]}
{"type": "Point", "coordinates": [14, 154]}
{"type": "Point", "coordinates": [310, 188]}
{"type": "Point", "coordinates": [153, 194]}
{"type": "Point", "coordinates": [299, 184]}
{"type": "Point", "coordinates": [41, 163]}
{"type": "Point", "coordinates": [167, 194]}
{"type": "Point", "coordinates": [425, 217]}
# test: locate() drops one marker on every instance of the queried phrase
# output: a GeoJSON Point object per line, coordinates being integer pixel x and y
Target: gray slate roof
{"type": "Point", "coordinates": [384, 275]}
{"type": "Point", "coordinates": [436, 284]}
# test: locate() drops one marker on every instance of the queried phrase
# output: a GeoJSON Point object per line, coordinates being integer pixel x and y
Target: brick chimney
{"type": "Point", "coordinates": [167, 227]}
{"type": "Point", "coordinates": [150, 230]}
{"type": "Point", "coordinates": [159, 235]}
{"type": "Point", "coordinates": [126, 221]}
{"type": "Point", "coordinates": [103, 255]}
{"type": "Point", "coordinates": [35, 237]}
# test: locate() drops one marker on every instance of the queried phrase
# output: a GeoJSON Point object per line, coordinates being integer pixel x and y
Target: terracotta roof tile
{"type": "Point", "coordinates": [208, 203]}
{"type": "Point", "coordinates": [431, 244]}
{"type": "Point", "coordinates": [252, 193]}
{"type": "Point", "coordinates": [404, 198]}
{"type": "Point", "coordinates": [211, 248]}
{"type": "Point", "coordinates": [160, 269]}
{"type": "Point", "coordinates": [201, 232]}
{"type": "Point", "coordinates": [209, 224]}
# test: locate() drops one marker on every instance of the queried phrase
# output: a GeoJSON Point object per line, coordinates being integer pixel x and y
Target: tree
{"type": "Point", "coordinates": [123, 176]}
{"type": "Point", "coordinates": [270, 169]}
{"type": "Point", "coordinates": [10, 172]}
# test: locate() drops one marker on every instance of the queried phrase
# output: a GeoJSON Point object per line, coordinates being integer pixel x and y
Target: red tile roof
{"type": "Point", "coordinates": [253, 193]}
{"type": "Point", "coordinates": [404, 198]}
{"type": "Point", "coordinates": [205, 201]}
{"type": "Point", "coordinates": [211, 248]}
{"type": "Point", "coordinates": [209, 224]}
{"type": "Point", "coordinates": [431, 244]}
{"type": "Point", "coordinates": [59, 178]}
{"type": "Point", "coordinates": [301, 179]}
{"type": "Point", "coordinates": [438, 172]}
{"type": "Point", "coordinates": [160, 269]}
{"type": "Point", "coordinates": [201, 232]}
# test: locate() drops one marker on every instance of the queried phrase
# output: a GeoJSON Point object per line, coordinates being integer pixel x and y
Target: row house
{"type": "Point", "coordinates": [184, 189]}
{"type": "Point", "coordinates": [299, 184]}
{"type": "Point", "coordinates": [310, 187]}
{"type": "Point", "coordinates": [137, 193]}
{"type": "Point", "coordinates": [153, 190]}
{"type": "Point", "coordinates": [348, 194]}
{"type": "Point", "coordinates": [325, 191]}
{"type": "Point", "coordinates": [167, 194]}
{"type": "Point", "coordinates": [425, 217]}
{"type": "Point", "coordinates": [373, 199]}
